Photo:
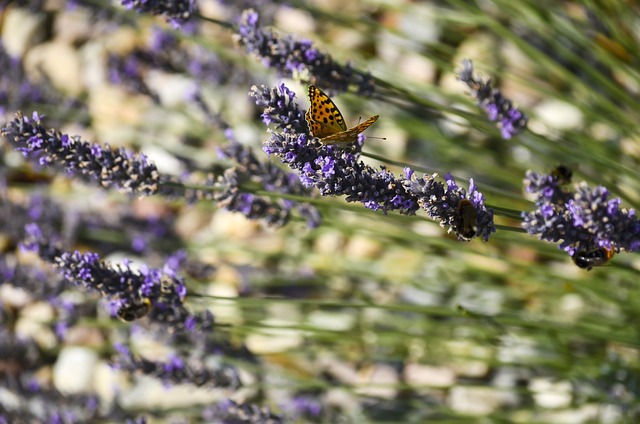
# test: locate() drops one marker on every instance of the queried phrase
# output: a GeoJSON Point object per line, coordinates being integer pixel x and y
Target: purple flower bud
{"type": "Point", "coordinates": [290, 56]}
{"type": "Point", "coordinates": [511, 120]}
{"type": "Point", "coordinates": [108, 167]}
{"type": "Point", "coordinates": [580, 220]}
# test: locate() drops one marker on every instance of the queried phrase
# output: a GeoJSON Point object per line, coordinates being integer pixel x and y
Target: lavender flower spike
{"type": "Point", "coordinates": [229, 411]}
{"type": "Point", "coordinates": [583, 220]}
{"type": "Point", "coordinates": [333, 171]}
{"type": "Point", "coordinates": [292, 57]}
{"type": "Point", "coordinates": [178, 370]}
{"type": "Point", "coordinates": [176, 11]}
{"type": "Point", "coordinates": [464, 213]}
{"type": "Point", "coordinates": [128, 291]}
{"type": "Point", "coordinates": [250, 170]}
{"type": "Point", "coordinates": [498, 108]}
{"type": "Point", "coordinates": [108, 167]}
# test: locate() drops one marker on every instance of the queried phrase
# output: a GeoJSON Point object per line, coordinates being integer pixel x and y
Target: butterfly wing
{"type": "Point", "coordinates": [323, 117]}
{"type": "Point", "coordinates": [351, 135]}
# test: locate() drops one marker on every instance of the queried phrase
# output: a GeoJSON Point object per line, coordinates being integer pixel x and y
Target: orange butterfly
{"type": "Point", "coordinates": [326, 122]}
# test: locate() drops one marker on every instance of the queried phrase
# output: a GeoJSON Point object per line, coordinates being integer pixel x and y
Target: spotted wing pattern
{"type": "Point", "coordinates": [326, 122]}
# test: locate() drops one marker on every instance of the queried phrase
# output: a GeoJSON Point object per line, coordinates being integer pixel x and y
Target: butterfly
{"type": "Point", "coordinates": [326, 122]}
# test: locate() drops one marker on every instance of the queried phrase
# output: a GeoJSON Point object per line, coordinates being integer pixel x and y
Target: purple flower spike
{"type": "Point", "coordinates": [176, 11]}
{"type": "Point", "coordinates": [250, 170]}
{"type": "Point", "coordinates": [333, 171]}
{"type": "Point", "coordinates": [179, 370]}
{"type": "Point", "coordinates": [108, 167]}
{"type": "Point", "coordinates": [464, 213]}
{"type": "Point", "coordinates": [291, 57]}
{"type": "Point", "coordinates": [584, 221]}
{"type": "Point", "coordinates": [498, 108]}
{"type": "Point", "coordinates": [133, 294]}
{"type": "Point", "coordinates": [229, 411]}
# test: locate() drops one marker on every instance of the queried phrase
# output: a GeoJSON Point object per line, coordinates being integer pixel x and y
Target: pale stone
{"type": "Point", "coordinates": [106, 382]}
{"type": "Point", "coordinates": [74, 370]}
{"type": "Point", "coordinates": [295, 21]}
{"type": "Point", "coordinates": [399, 264]}
{"type": "Point", "coordinates": [116, 111]}
{"type": "Point", "coordinates": [332, 321]}
{"type": "Point", "coordinates": [417, 296]}
{"type": "Point", "coordinates": [73, 26]}
{"type": "Point", "coordinates": [420, 23]}
{"type": "Point", "coordinates": [630, 145]}
{"type": "Point", "coordinates": [344, 400]}
{"type": "Point", "coordinates": [173, 90]}
{"type": "Point", "coordinates": [480, 299]}
{"type": "Point", "coordinates": [60, 62]}
{"type": "Point", "coordinates": [578, 415]}
{"type": "Point", "coordinates": [85, 336]}
{"type": "Point", "coordinates": [146, 345]}
{"type": "Point", "coordinates": [150, 394]}
{"type": "Point", "coordinates": [94, 60]}
{"type": "Point", "coordinates": [21, 30]}
{"type": "Point", "coordinates": [338, 369]}
{"type": "Point", "coordinates": [271, 339]}
{"type": "Point", "coordinates": [474, 400]}
{"type": "Point", "coordinates": [484, 262]}
{"type": "Point", "coordinates": [551, 394]}
{"type": "Point", "coordinates": [417, 67]}
{"type": "Point", "coordinates": [506, 379]}
{"type": "Point", "coordinates": [427, 229]}
{"type": "Point", "coordinates": [380, 381]}
{"type": "Point", "coordinates": [360, 247]}
{"type": "Point", "coordinates": [12, 295]}
{"type": "Point", "coordinates": [165, 162]}
{"type": "Point", "coordinates": [515, 349]}
{"type": "Point", "coordinates": [226, 311]}
{"type": "Point", "coordinates": [554, 115]}
{"type": "Point", "coordinates": [34, 323]}
{"type": "Point", "coordinates": [285, 313]}
{"type": "Point", "coordinates": [462, 349]}
{"type": "Point", "coordinates": [571, 307]}
{"type": "Point", "coordinates": [122, 41]}
{"type": "Point", "coordinates": [429, 376]}
{"type": "Point", "coordinates": [233, 225]}
{"type": "Point", "coordinates": [329, 243]}
{"type": "Point", "coordinates": [191, 223]}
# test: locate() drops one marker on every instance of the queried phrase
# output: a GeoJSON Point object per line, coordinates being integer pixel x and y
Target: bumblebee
{"type": "Point", "coordinates": [135, 310]}
{"type": "Point", "coordinates": [467, 220]}
{"type": "Point", "coordinates": [562, 174]}
{"type": "Point", "coordinates": [587, 259]}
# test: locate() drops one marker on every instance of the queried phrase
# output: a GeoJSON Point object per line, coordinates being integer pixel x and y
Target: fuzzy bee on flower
{"type": "Point", "coordinates": [587, 259]}
{"type": "Point", "coordinates": [134, 310]}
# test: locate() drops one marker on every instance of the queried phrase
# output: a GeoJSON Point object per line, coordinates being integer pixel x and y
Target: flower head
{"type": "Point", "coordinates": [335, 172]}
{"type": "Point", "coordinates": [108, 167]}
{"type": "Point", "coordinates": [18, 90]}
{"type": "Point", "coordinates": [269, 177]}
{"type": "Point", "coordinates": [464, 213]}
{"type": "Point", "coordinates": [291, 57]}
{"type": "Point", "coordinates": [498, 108]}
{"type": "Point", "coordinates": [181, 370]}
{"type": "Point", "coordinates": [229, 411]}
{"type": "Point", "coordinates": [580, 220]}
{"type": "Point", "coordinates": [176, 11]}
{"type": "Point", "coordinates": [132, 294]}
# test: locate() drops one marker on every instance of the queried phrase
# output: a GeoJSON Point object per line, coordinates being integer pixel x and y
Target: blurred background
{"type": "Point", "coordinates": [368, 317]}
